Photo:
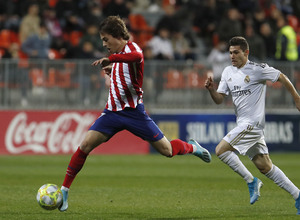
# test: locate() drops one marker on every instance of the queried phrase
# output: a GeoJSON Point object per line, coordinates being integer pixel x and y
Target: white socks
{"type": "Point", "coordinates": [275, 174]}
{"type": "Point", "coordinates": [282, 181]}
{"type": "Point", "coordinates": [64, 188]}
{"type": "Point", "coordinates": [233, 161]}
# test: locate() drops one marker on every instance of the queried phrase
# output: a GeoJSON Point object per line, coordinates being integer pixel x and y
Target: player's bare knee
{"type": "Point", "coordinates": [265, 169]}
{"type": "Point", "coordinates": [85, 147]}
{"type": "Point", "coordinates": [219, 151]}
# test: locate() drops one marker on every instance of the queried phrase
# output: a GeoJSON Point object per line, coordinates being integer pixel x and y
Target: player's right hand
{"type": "Point", "coordinates": [103, 61]}
{"type": "Point", "coordinates": [209, 83]}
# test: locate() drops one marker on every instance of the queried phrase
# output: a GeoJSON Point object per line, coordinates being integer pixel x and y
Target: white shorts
{"type": "Point", "coordinates": [247, 140]}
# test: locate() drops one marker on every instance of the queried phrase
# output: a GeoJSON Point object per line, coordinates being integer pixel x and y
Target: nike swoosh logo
{"type": "Point", "coordinates": [155, 136]}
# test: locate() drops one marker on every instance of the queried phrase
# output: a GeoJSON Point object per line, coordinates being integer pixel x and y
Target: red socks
{"type": "Point", "coordinates": [77, 161]}
{"type": "Point", "coordinates": [180, 147]}
{"type": "Point", "coordinates": [75, 165]}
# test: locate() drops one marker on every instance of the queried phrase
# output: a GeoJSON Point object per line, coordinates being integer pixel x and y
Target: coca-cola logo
{"type": "Point", "coordinates": [63, 134]}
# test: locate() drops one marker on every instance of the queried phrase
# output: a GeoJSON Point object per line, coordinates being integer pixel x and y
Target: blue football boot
{"type": "Point", "coordinates": [297, 205]}
{"type": "Point", "coordinates": [254, 189]}
{"type": "Point", "coordinates": [201, 152]}
{"type": "Point", "coordinates": [64, 205]}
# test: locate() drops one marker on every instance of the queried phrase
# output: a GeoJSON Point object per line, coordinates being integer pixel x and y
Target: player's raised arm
{"type": "Point", "coordinates": [290, 87]}
{"type": "Point", "coordinates": [217, 97]}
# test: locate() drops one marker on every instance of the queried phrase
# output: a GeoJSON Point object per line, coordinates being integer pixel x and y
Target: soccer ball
{"type": "Point", "coordinates": [49, 196]}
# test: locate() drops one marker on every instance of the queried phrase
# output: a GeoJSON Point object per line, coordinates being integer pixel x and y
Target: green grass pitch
{"type": "Point", "coordinates": [144, 187]}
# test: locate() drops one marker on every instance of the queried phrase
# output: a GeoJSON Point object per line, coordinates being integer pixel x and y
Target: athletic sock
{"type": "Point", "coordinates": [233, 161]}
{"type": "Point", "coordinates": [282, 181]}
{"type": "Point", "coordinates": [64, 188]}
{"type": "Point", "coordinates": [75, 165]}
{"type": "Point", "coordinates": [180, 147]}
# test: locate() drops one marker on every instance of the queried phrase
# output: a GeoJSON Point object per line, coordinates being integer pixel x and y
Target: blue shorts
{"type": "Point", "coordinates": [134, 120]}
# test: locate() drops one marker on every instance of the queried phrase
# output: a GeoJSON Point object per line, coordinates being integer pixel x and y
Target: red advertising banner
{"type": "Point", "coordinates": [58, 132]}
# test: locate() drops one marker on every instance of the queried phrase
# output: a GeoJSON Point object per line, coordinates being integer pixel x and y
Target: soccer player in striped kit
{"type": "Point", "coordinates": [124, 108]}
{"type": "Point", "coordinates": [246, 82]}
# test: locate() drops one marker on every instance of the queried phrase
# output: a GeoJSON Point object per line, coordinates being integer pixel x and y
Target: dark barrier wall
{"type": "Point", "coordinates": [281, 131]}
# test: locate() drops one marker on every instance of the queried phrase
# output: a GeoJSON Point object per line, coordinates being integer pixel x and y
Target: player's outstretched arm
{"type": "Point", "coordinates": [290, 87]}
{"type": "Point", "coordinates": [103, 61]}
{"type": "Point", "coordinates": [217, 97]}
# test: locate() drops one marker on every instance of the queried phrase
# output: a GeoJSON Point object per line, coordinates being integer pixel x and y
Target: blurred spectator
{"type": "Point", "coordinates": [296, 7]}
{"type": "Point", "coordinates": [63, 47]}
{"type": "Point", "coordinates": [284, 6]}
{"type": "Point", "coordinates": [275, 14]}
{"type": "Point", "coordinates": [161, 45]}
{"type": "Point", "coordinates": [94, 14]}
{"type": "Point", "coordinates": [181, 47]}
{"type": "Point", "coordinates": [168, 20]}
{"type": "Point", "coordinates": [230, 25]}
{"type": "Point", "coordinates": [9, 17]}
{"type": "Point", "coordinates": [205, 21]}
{"type": "Point", "coordinates": [286, 43]}
{"type": "Point", "coordinates": [52, 23]}
{"type": "Point", "coordinates": [219, 58]}
{"type": "Point", "coordinates": [74, 23]}
{"type": "Point", "coordinates": [30, 23]}
{"type": "Point", "coordinates": [12, 52]}
{"type": "Point", "coordinates": [2, 21]}
{"type": "Point", "coordinates": [184, 17]}
{"type": "Point", "coordinates": [38, 45]}
{"type": "Point", "coordinates": [90, 80]}
{"type": "Point", "coordinates": [18, 74]}
{"type": "Point", "coordinates": [86, 50]}
{"type": "Point", "coordinates": [256, 44]}
{"type": "Point", "coordinates": [147, 51]}
{"type": "Point", "coordinates": [13, 23]}
{"type": "Point", "coordinates": [246, 6]}
{"type": "Point", "coordinates": [140, 6]}
{"type": "Point", "coordinates": [92, 36]}
{"type": "Point", "coordinates": [117, 7]}
{"type": "Point", "coordinates": [65, 8]}
{"type": "Point", "coordinates": [202, 23]}
{"type": "Point", "coordinates": [269, 39]}
{"type": "Point", "coordinates": [259, 17]}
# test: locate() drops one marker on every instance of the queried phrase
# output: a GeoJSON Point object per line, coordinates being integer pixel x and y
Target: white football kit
{"type": "Point", "coordinates": [247, 86]}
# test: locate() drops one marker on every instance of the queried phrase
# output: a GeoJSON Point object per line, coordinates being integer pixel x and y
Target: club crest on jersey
{"type": "Point", "coordinates": [247, 79]}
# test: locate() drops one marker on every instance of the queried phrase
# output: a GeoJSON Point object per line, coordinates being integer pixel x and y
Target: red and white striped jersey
{"type": "Point", "coordinates": [126, 78]}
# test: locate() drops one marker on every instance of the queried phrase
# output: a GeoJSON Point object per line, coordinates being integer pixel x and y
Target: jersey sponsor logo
{"type": "Point", "coordinates": [241, 93]}
{"type": "Point", "coordinates": [237, 91]}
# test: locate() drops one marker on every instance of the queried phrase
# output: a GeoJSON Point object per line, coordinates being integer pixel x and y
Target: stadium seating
{"type": "Point", "coordinates": [141, 31]}
{"type": "Point", "coordinates": [7, 37]}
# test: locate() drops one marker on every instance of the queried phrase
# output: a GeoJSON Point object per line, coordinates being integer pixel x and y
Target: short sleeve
{"type": "Point", "coordinates": [223, 86]}
{"type": "Point", "coordinates": [270, 73]}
